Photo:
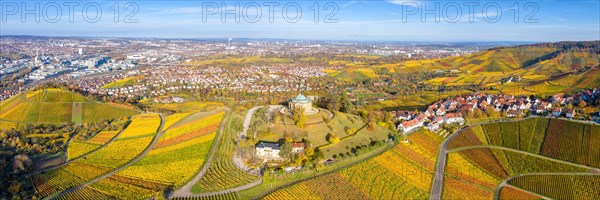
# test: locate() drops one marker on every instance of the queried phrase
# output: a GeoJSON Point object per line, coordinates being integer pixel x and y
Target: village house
{"type": "Point", "coordinates": [402, 115]}
{"type": "Point", "coordinates": [435, 124]}
{"type": "Point", "coordinates": [409, 126]}
{"type": "Point", "coordinates": [457, 118]}
{"type": "Point", "coordinates": [297, 147]}
{"type": "Point", "coordinates": [513, 113]}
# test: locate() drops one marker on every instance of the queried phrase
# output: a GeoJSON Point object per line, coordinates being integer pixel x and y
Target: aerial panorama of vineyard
{"type": "Point", "coordinates": [363, 129]}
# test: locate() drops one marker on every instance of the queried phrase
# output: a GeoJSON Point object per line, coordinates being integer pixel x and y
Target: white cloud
{"type": "Point", "coordinates": [405, 2]}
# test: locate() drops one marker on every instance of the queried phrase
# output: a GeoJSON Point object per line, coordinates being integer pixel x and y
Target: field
{"type": "Point", "coordinates": [353, 74]}
{"type": "Point", "coordinates": [188, 106]}
{"type": "Point", "coordinates": [168, 165]}
{"type": "Point", "coordinates": [509, 192]}
{"type": "Point", "coordinates": [573, 142]}
{"type": "Point", "coordinates": [132, 141]}
{"type": "Point", "coordinates": [130, 81]}
{"type": "Point", "coordinates": [222, 173]}
{"type": "Point", "coordinates": [126, 146]}
{"type": "Point", "coordinates": [57, 106]}
{"type": "Point", "coordinates": [414, 101]}
{"type": "Point", "coordinates": [561, 186]}
{"type": "Point", "coordinates": [526, 135]}
{"type": "Point", "coordinates": [78, 148]}
{"type": "Point", "coordinates": [483, 168]}
{"type": "Point", "coordinates": [404, 172]}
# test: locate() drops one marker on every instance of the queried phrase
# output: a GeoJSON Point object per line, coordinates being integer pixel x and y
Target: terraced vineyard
{"type": "Point", "coordinates": [78, 148]}
{"type": "Point", "coordinates": [383, 177]}
{"type": "Point", "coordinates": [561, 186]}
{"type": "Point", "coordinates": [573, 142]}
{"type": "Point", "coordinates": [222, 173]}
{"type": "Point", "coordinates": [483, 168]}
{"type": "Point", "coordinates": [227, 196]}
{"type": "Point", "coordinates": [526, 135]}
{"type": "Point", "coordinates": [127, 146]}
{"type": "Point", "coordinates": [509, 193]}
{"type": "Point", "coordinates": [166, 166]}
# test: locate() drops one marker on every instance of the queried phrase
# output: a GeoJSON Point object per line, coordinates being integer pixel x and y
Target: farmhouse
{"type": "Point", "coordinates": [268, 150]}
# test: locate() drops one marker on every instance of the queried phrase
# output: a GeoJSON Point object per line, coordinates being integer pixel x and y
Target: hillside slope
{"type": "Point", "coordinates": [55, 106]}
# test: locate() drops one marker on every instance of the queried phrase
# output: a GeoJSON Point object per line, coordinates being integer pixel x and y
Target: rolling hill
{"type": "Point", "coordinates": [56, 106]}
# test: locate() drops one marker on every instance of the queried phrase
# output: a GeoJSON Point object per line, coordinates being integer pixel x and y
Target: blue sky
{"type": "Point", "coordinates": [391, 20]}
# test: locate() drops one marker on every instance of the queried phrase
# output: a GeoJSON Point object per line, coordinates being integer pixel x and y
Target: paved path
{"type": "Point", "coordinates": [247, 120]}
{"type": "Point", "coordinates": [115, 170]}
{"type": "Point", "coordinates": [186, 190]}
{"type": "Point", "coordinates": [438, 181]}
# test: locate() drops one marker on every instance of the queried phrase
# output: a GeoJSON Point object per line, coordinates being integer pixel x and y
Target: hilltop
{"type": "Point", "coordinates": [57, 106]}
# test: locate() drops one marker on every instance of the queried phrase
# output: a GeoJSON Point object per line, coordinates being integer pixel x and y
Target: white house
{"type": "Point", "coordinates": [268, 150]}
{"type": "Point", "coordinates": [454, 118]}
{"type": "Point", "coordinates": [411, 125]}
{"type": "Point", "coordinates": [434, 125]}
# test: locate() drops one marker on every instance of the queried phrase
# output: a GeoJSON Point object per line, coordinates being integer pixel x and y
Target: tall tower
{"type": "Point", "coordinates": [229, 43]}
{"type": "Point", "coordinates": [80, 51]}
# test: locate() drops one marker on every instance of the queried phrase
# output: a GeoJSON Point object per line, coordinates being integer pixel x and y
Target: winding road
{"type": "Point", "coordinates": [186, 190]}
{"type": "Point", "coordinates": [438, 181]}
{"type": "Point", "coordinates": [115, 170]}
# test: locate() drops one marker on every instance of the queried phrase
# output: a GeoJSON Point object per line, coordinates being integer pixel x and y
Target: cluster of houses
{"type": "Point", "coordinates": [452, 110]}
{"type": "Point", "coordinates": [271, 150]}
{"type": "Point", "coordinates": [433, 121]}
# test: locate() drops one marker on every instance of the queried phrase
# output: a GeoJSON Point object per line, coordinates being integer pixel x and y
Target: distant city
{"type": "Point", "coordinates": [26, 61]}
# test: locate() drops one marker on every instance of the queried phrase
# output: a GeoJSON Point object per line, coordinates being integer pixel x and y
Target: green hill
{"type": "Point", "coordinates": [55, 106]}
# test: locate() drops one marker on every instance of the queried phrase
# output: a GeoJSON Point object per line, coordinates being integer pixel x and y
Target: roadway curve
{"type": "Point", "coordinates": [440, 167]}
{"type": "Point", "coordinates": [186, 190]}
{"type": "Point", "coordinates": [247, 120]}
{"type": "Point", "coordinates": [114, 171]}
{"type": "Point", "coordinates": [438, 181]}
